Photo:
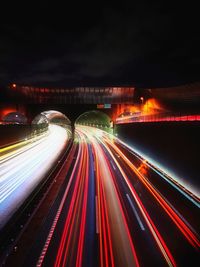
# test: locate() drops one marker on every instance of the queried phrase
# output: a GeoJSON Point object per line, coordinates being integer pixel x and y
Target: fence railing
{"type": "Point", "coordinates": [165, 117]}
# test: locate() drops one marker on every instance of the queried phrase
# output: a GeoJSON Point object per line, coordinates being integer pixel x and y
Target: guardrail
{"type": "Point", "coordinates": [167, 117]}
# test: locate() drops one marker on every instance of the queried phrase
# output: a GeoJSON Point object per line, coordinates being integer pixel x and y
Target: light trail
{"type": "Point", "coordinates": [22, 170]}
{"type": "Point", "coordinates": [185, 189]}
{"type": "Point", "coordinates": [115, 237]}
{"type": "Point", "coordinates": [183, 226]}
{"type": "Point", "coordinates": [4, 152]}
{"type": "Point", "coordinates": [78, 202]}
{"type": "Point", "coordinates": [120, 216]}
{"type": "Point", "coordinates": [157, 236]}
{"type": "Point", "coordinates": [115, 243]}
{"type": "Point", "coordinates": [177, 220]}
{"type": "Point", "coordinates": [55, 221]}
{"type": "Point", "coordinates": [17, 149]}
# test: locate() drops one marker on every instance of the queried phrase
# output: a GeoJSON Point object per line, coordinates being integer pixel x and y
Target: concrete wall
{"type": "Point", "coordinates": [13, 133]}
{"type": "Point", "coordinates": [174, 145]}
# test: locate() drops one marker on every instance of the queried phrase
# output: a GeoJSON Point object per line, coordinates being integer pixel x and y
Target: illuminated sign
{"type": "Point", "coordinates": [107, 105]}
{"type": "Point", "coordinates": [101, 106]}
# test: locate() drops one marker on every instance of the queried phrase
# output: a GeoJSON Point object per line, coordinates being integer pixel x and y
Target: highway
{"type": "Point", "coordinates": [117, 209]}
{"type": "Point", "coordinates": [23, 167]}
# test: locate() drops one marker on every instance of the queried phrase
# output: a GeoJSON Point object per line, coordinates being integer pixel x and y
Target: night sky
{"type": "Point", "coordinates": [129, 43]}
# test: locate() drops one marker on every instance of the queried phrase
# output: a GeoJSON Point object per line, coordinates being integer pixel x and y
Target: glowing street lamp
{"type": "Point", "coordinates": [142, 99]}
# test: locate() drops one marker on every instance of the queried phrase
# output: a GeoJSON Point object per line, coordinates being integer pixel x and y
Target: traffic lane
{"type": "Point", "coordinates": [119, 245]}
{"type": "Point", "coordinates": [71, 241]}
{"type": "Point", "coordinates": [59, 245]}
{"type": "Point", "coordinates": [49, 236]}
{"type": "Point", "coordinates": [169, 231]}
{"type": "Point", "coordinates": [176, 182]}
{"type": "Point", "coordinates": [179, 200]}
{"type": "Point", "coordinates": [13, 149]}
{"type": "Point", "coordinates": [25, 171]}
{"type": "Point", "coordinates": [116, 246]}
{"type": "Point", "coordinates": [173, 216]}
{"type": "Point", "coordinates": [177, 218]}
{"type": "Point", "coordinates": [143, 240]}
{"type": "Point", "coordinates": [90, 253]}
{"type": "Point", "coordinates": [38, 214]}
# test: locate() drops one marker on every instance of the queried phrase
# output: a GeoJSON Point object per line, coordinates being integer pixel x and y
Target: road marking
{"type": "Point", "coordinates": [97, 217]}
{"type": "Point", "coordinates": [113, 165]}
{"type": "Point", "coordinates": [136, 214]}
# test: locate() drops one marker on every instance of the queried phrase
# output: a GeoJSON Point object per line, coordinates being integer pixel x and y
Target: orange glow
{"type": "Point", "coordinates": [146, 107]}
{"type": "Point", "coordinates": [123, 108]}
{"type": "Point", "coordinates": [151, 106]}
{"type": "Point", "coordinates": [143, 168]}
{"type": "Point", "coordinates": [14, 85]}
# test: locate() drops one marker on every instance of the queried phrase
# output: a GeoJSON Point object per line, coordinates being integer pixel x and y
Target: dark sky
{"type": "Point", "coordinates": [129, 43]}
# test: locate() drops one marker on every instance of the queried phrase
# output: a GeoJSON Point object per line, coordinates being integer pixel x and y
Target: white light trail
{"type": "Point", "coordinates": [20, 173]}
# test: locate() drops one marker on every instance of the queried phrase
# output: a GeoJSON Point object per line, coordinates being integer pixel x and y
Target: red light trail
{"type": "Point", "coordinates": [133, 222]}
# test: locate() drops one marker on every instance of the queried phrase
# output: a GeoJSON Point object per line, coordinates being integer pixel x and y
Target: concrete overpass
{"type": "Point", "coordinates": [31, 101]}
{"type": "Point", "coordinates": [76, 95]}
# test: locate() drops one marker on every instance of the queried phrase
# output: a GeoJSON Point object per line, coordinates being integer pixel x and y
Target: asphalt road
{"type": "Point", "coordinates": [22, 169]}
{"type": "Point", "coordinates": [117, 209]}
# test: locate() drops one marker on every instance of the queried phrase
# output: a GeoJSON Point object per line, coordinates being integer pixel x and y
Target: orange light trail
{"type": "Point", "coordinates": [176, 219]}
{"type": "Point", "coordinates": [116, 195]}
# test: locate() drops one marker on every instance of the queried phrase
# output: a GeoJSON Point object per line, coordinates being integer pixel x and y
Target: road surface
{"type": "Point", "coordinates": [117, 210]}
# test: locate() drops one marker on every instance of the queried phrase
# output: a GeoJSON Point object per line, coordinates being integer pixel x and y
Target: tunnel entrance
{"type": "Point", "coordinates": [41, 122]}
{"type": "Point", "coordinates": [96, 119]}
{"type": "Point", "coordinates": [15, 118]}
